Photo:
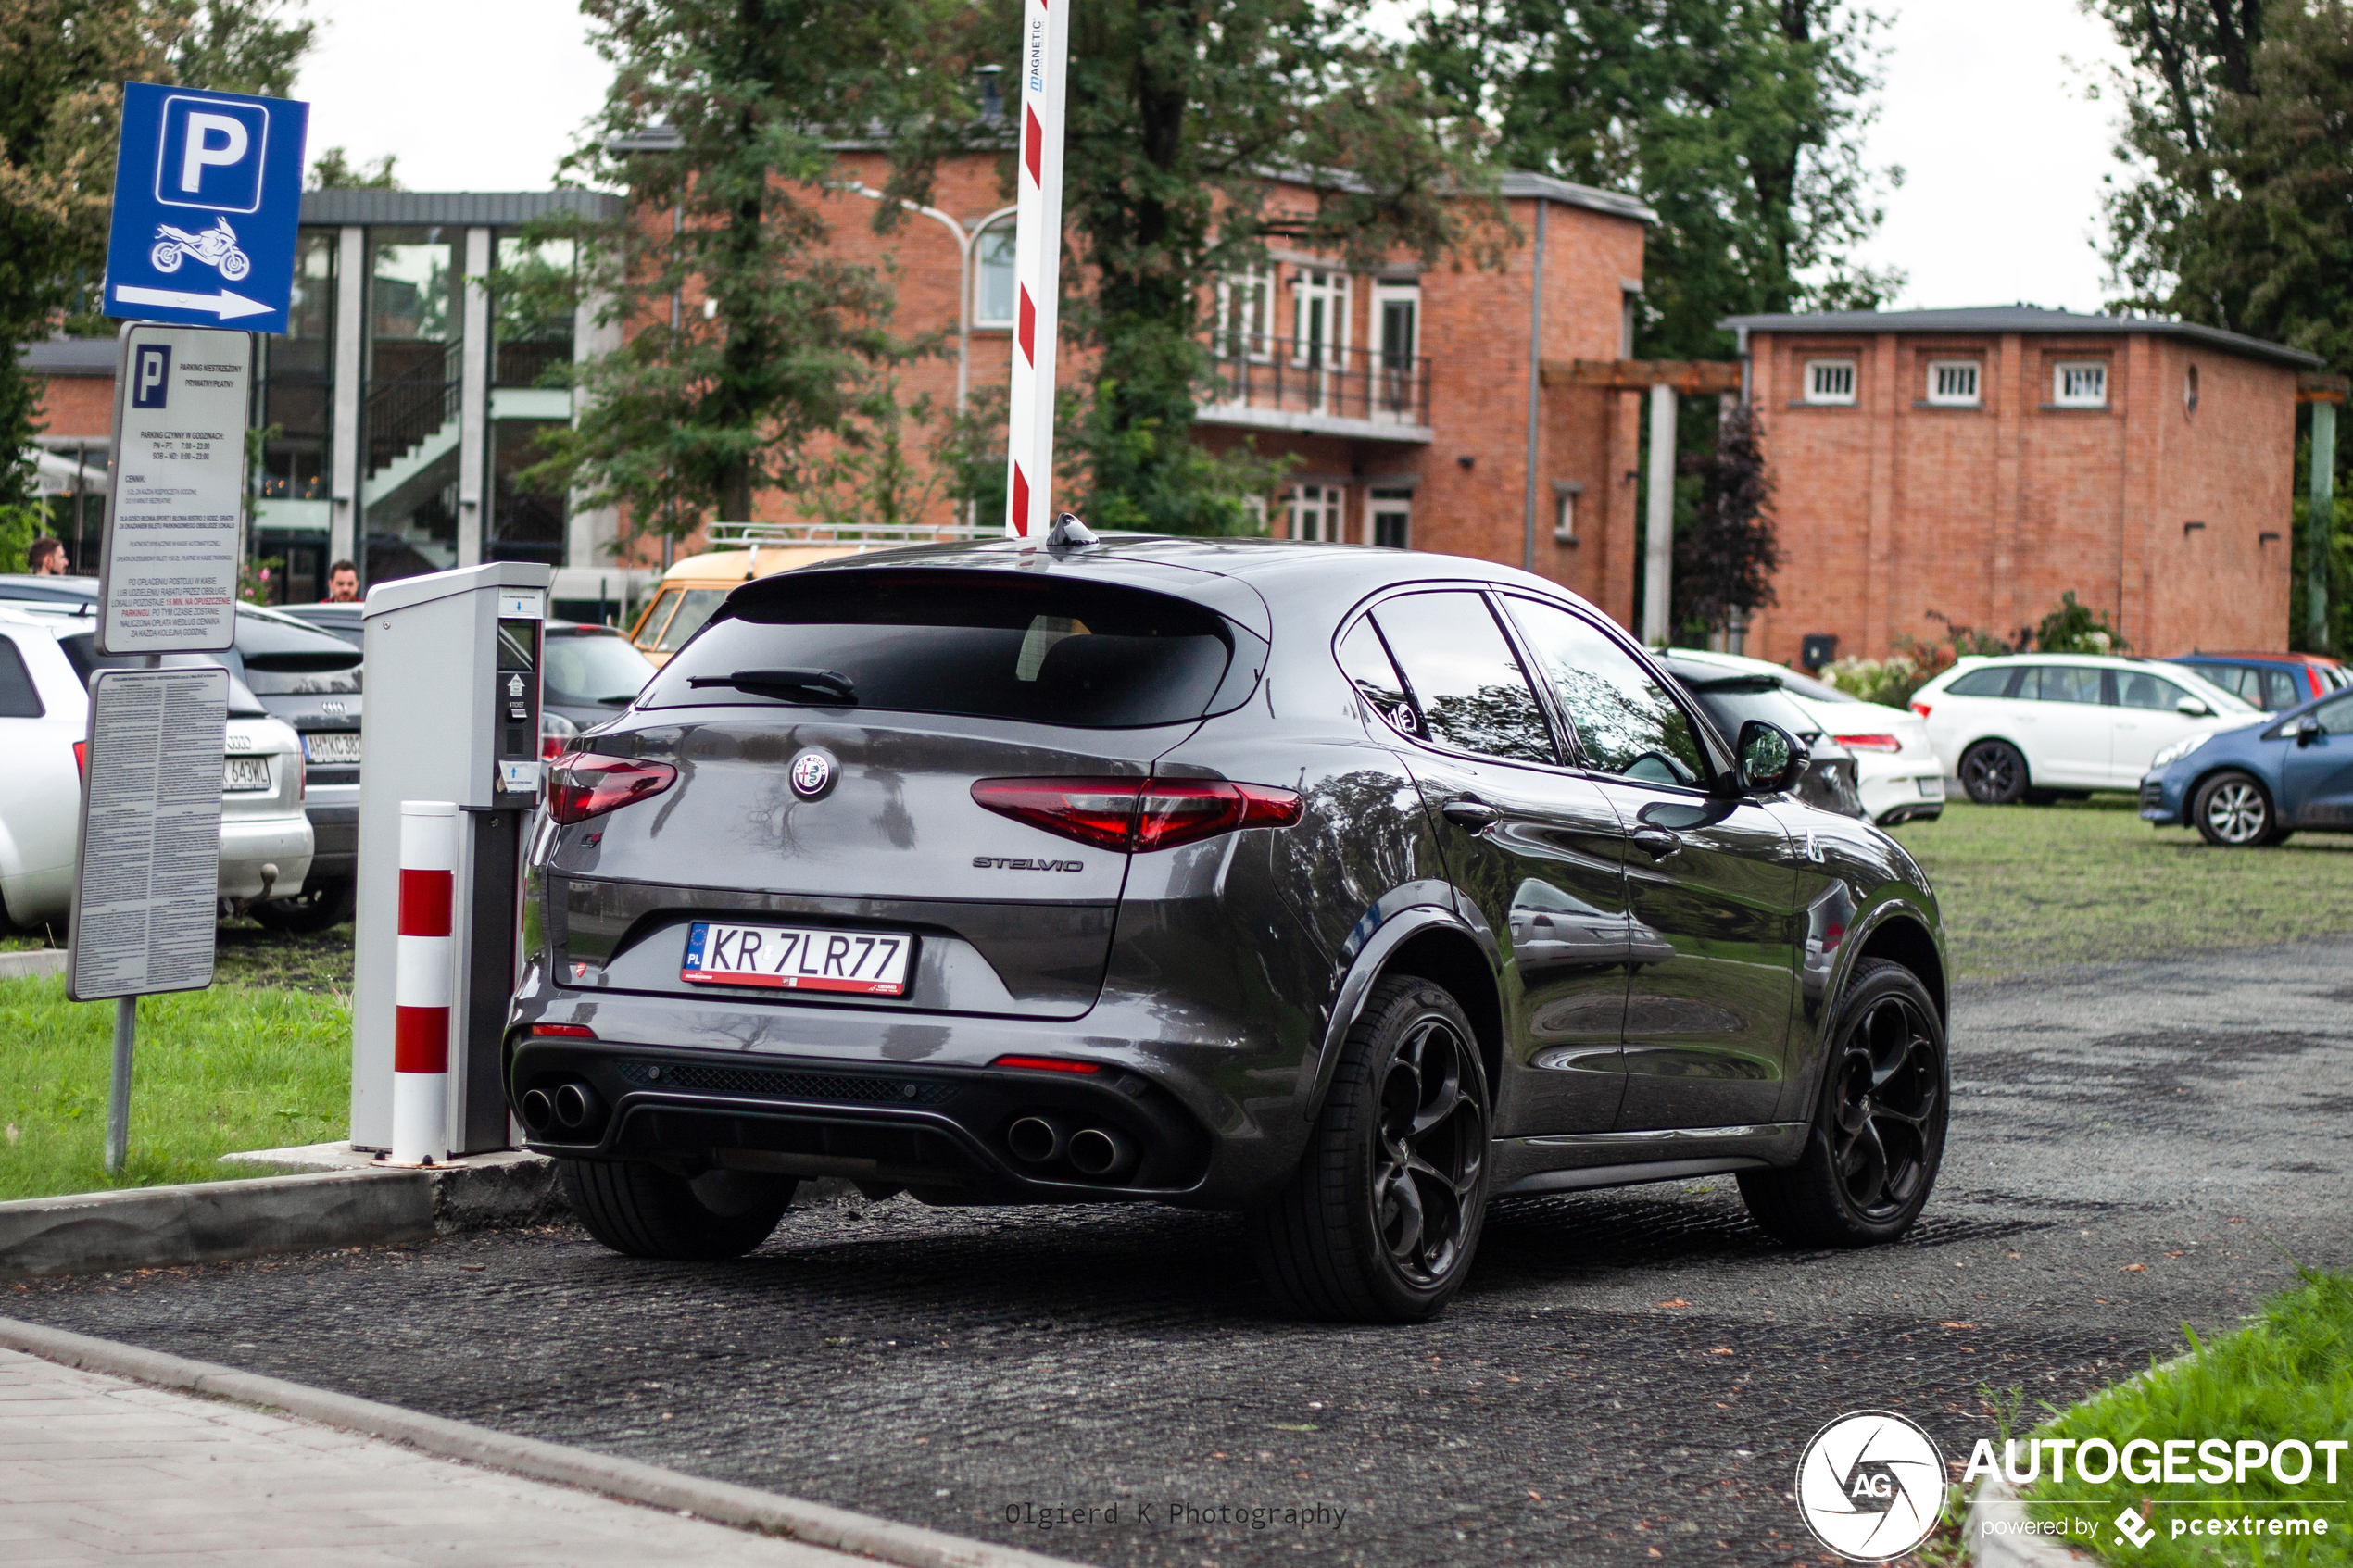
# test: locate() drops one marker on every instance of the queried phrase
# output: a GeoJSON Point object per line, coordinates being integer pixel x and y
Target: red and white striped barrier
{"type": "Point", "coordinates": [1037, 249]}
{"type": "Point", "coordinates": [422, 983]}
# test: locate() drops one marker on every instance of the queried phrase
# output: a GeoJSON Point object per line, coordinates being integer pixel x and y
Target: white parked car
{"type": "Point", "coordinates": [45, 715]}
{"type": "Point", "coordinates": [2031, 725]}
{"type": "Point", "coordinates": [1897, 771]}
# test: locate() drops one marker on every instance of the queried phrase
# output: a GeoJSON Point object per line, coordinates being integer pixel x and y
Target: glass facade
{"type": "Point", "coordinates": [409, 423]}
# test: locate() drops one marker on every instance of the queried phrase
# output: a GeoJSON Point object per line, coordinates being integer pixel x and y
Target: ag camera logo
{"type": "Point", "coordinates": [1869, 1484]}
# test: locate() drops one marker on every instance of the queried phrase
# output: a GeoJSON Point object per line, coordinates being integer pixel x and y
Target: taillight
{"type": "Point", "coordinates": [82, 758]}
{"type": "Point", "coordinates": [1139, 815]}
{"type": "Point", "coordinates": [1920, 709]}
{"type": "Point", "coordinates": [302, 777]}
{"type": "Point", "coordinates": [564, 1031]}
{"type": "Point", "coordinates": [552, 746]}
{"type": "Point", "coordinates": [585, 785]}
{"type": "Point", "coordinates": [1047, 1064]}
{"type": "Point", "coordinates": [1870, 742]}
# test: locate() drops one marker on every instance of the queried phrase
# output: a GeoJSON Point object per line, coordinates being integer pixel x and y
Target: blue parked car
{"type": "Point", "coordinates": [2261, 783]}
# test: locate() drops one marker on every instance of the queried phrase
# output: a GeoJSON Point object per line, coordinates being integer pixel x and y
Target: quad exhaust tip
{"type": "Point", "coordinates": [576, 1106]}
{"type": "Point", "coordinates": [1037, 1140]}
{"type": "Point", "coordinates": [1100, 1152]}
{"type": "Point", "coordinates": [539, 1110]}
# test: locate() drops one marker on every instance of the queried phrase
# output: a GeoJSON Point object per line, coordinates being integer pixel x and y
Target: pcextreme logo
{"type": "Point", "coordinates": [1869, 1484]}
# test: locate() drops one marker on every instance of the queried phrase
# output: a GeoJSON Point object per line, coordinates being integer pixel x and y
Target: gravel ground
{"type": "Point", "coordinates": [1627, 1377]}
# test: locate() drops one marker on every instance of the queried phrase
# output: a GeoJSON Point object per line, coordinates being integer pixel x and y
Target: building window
{"type": "Point", "coordinates": [1397, 312]}
{"type": "Point", "coordinates": [2083, 384]}
{"type": "Point", "coordinates": [1564, 513]}
{"type": "Point", "coordinates": [1952, 384]}
{"type": "Point", "coordinates": [993, 281]}
{"type": "Point", "coordinates": [1829, 381]}
{"type": "Point", "coordinates": [1319, 318]}
{"type": "Point", "coordinates": [531, 334]}
{"type": "Point", "coordinates": [1392, 518]}
{"type": "Point", "coordinates": [1315, 512]}
{"type": "Point", "coordinates": [1242, 315]}
{"type": "Point", "coordinates": [2189, 390]}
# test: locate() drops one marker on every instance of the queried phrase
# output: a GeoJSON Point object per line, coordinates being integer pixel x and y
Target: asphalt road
{"type": "Point", "coordinates": [1627, 1377]}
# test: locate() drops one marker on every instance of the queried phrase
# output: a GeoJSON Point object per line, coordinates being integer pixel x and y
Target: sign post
{"type": "Point", "coordinates": [1037, 248]}
{"type": "Point", "coordinates": [208, 197]}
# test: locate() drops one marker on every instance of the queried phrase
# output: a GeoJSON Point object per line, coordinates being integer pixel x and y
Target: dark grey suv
{"type": "Point", "coordinates": [1348, 888]}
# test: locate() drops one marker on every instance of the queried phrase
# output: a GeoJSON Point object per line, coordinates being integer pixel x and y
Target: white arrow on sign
{"type": "Point", "coordinates": [225, 304]}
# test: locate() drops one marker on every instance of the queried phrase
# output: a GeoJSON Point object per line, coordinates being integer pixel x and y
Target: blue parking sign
{"type": "Point", "coordinates": [207, 193]}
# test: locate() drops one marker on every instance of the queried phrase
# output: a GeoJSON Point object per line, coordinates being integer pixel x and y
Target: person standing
{"type": "Point", "coordinates": [343, 584]}
{"type": "Point", "coordinates": [46, 556]}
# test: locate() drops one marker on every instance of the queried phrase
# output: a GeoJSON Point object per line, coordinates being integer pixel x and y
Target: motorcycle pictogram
{"type": "Point", "coordinates": [217, 246]}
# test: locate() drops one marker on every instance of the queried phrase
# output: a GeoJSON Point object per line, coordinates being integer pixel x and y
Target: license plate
{"type": "Point", "coordinates": [244, 772]}
{"type": "Point", "coordinates": [332, 747]}
{"type": "Point", "coordinates": [1933, 789]}
{"type": "Point", "coordinates": [864, 963]}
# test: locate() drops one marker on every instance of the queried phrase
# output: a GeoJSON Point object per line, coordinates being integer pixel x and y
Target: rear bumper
{"type": "Point", "coordinates": [333, 811]}
{"type": "Point", "coordinates": [249, 844]}
{"type": "Point", "coordinates": [1899, 788]}
{"type": "Point", "coordinates": [941, 1131]}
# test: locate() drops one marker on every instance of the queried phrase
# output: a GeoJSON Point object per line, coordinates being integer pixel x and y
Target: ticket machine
{"type": "Point", "coordinates": [453, 683]}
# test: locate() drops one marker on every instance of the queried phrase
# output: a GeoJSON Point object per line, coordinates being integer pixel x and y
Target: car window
{"type": "Point", "coordinates": [992, 644]}
{"type": "Point", "coordinates": [595, 668]}
{"type": "Point", "coordinates": [1732, 702]}
{"type": "Point", "coordinates": [1990, 682]}
{"type": "Point", "coordinates": [2139, 689]}
{"type": "Point", "coordinates": [1820, 691]}
{"type": "Point", "coordinates": [1467, 685]}
{"type": "Point", "coordinates": [82, 652]}
{"type": "Point", "coordinates": [1626, 721]}
{"type": "Point", "coordinates": [2060, 682]}
{"type": "Point", "coordinates": [2281, 689]}
{"type": "Point", "coordinates": [1367, 664]}
{"type": "Point", "coordinates": [2335, 716]}
{"type": "Point", "coordinates": [694, 607]}
{"type": "Point", "coordinates": [19, 698]}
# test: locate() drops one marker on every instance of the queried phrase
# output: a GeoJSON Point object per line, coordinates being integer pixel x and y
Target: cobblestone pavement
{"type": "Point", "coordinates": [98, 1470]}
{"type": "Point", "coordinates": [1627, 1377]}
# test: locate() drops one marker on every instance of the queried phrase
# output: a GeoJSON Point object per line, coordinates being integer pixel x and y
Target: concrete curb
{"type": "Point", "coordinates": [212, 1221]}
{"type": "Point", "coordinates": [33, 962]}
{"type": "Point", "coordinates": [909, 1546]}
{"type": "Point", "coordinates": [1995, 1535]}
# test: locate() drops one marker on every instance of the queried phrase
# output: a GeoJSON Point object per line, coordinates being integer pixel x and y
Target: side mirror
{"type": "Point", "coordinates": [1770, 758]}
{"type": "Point", "coordinates": [2308, 729]}
{"type": "Point", "coordinates": [2194, 708]}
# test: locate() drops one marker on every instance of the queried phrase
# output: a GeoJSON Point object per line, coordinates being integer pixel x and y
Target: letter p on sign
{"type": "Point", "coordinates": [212, 154]}
{"type": "Point", "coordinates": [151, 375]}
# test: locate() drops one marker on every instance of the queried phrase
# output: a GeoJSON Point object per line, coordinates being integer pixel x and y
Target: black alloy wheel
{"type": "Point", "coordinates": [1380, 1221]}
{"type": "Point", "coordinates": [1432, 1152]}
{"type": "Point", "coordinates": [1878, 1137]}
{"type": "Point", "coordinates": [1993, 771]}
{"type": "Point", "coordinates": [1888, 1084]}
{"type": "Point", "coordinates": [2233, 813]}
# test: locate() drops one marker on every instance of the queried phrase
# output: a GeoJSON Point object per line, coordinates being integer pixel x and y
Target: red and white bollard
{"type": "Point", "coordinates": [1037, 249]}
{"type": "Point", "coordinates": [422, 983]}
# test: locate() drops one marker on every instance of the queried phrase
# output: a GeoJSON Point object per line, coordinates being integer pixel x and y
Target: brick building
{"type": "Point", "coordinates": [1980, 463]}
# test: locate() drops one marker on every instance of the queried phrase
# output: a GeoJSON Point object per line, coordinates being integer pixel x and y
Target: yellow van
{"type": "Point", "coordinates": [691, 590]}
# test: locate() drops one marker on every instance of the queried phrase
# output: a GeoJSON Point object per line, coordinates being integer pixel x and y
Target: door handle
{"type": "Point", "coordinates": [1656, 842]}
{"type": "Point", "coordinates": [1470, 812]}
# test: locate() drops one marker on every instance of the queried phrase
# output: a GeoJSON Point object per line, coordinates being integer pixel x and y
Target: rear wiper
{"type": "Point", "coordinates": [828, 688]}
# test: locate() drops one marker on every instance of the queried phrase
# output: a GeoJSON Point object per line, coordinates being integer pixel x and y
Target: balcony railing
{"type": "Point", "coordinates": [1279, 375]}
{"type": "Point", "coordinates": [522, 362]}
{"type": "Point", "coordinates": [404, 412]}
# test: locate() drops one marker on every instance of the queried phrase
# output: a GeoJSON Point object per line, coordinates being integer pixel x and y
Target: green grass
{"type": "Point", "coordinates": [2287, 1374]}
{"type": "Point", "coordinates": [234, 1067]}
{"type": "Point", "coordinates": [2029, 887]}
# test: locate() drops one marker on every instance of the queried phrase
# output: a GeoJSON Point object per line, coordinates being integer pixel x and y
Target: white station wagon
{"type": "Point", "coordinates": [44, 714]}
{"type": "Point", "coordinates": [2033, 726]}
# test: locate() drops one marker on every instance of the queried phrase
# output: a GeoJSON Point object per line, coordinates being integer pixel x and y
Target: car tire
{"type": "Point", "coordinates": [638, 1208]}
{"type": "Point", "coordinates": [1994, 772]}
{"type": "Point", "coordinates": [322, 906]}
{"type": "Point", "coordinates": [1877, 1133]}
{"type": "Point", "coordinates": [2233, 810]}
{"type": "Point", "coordinates": [1361, 1234]}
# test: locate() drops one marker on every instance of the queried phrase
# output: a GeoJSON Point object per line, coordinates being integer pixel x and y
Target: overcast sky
{"type": "Point", "coordinates": [1982, 110]}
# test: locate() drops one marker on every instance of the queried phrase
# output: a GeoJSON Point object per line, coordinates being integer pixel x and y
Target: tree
{"type": "Point", "coordinates": [334, 171]}
{"type": "Point", "coordinates": [1725, 560]}
{"type": "Point", "coordinates": [2235, 208]}
{"type": "Point", "coordinates": [693, 417]}
{"type": "Point", "coordinates": [1180, 111]}
{"type": "Point", "coordinates": [62, 64]}
{"type": "Point", "coordinates": [1739, 122]}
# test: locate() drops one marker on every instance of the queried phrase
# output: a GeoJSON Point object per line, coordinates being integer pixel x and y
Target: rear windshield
{"type": "Point", "coordinates": [82, 652]}
{"type": "Point", "coordinates": [287, 659]}
{"type": "Point", "coordinates": [1734, 701]}
{"type": "Point", "coordinates": [994, 646]}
